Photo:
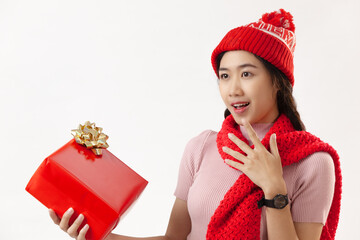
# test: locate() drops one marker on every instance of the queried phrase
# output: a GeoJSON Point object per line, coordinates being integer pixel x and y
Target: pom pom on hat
{"type": "Point", "coordinates": [279, 18]}
{"type": "Point", "coordinates": [272, 38]}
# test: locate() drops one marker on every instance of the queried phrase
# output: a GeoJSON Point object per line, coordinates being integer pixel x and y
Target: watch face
{"type": "Point", "coordinates": [280, 201]}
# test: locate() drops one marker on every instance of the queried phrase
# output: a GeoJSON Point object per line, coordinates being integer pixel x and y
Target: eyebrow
{"type": "Point", "coordinates": [240, 66]}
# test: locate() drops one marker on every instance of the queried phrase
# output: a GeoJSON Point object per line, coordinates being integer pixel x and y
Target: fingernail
{"type": "Point", "coordinates": [230, 135]}
{"type": "Point", "coordinates": [81, 216]}
{"type": "Point", "coordinates": [70, 210]}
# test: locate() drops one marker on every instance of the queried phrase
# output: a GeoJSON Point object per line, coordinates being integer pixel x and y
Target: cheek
{"type": "Point", "coordinates": [265, 96]}
{"type": "Point", "coordinates": [267, 91]}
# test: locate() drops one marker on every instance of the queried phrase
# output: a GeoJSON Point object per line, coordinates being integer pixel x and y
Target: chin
{"type": "Point", "coordinates": [239, 120]}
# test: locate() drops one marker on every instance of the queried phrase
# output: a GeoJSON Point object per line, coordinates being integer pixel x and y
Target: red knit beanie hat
{"type": "Point", "coordinates": [271, 38]}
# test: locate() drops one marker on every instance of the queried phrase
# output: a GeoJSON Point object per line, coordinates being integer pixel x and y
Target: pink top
{"type": "Point", "coordinates": [204, 179]}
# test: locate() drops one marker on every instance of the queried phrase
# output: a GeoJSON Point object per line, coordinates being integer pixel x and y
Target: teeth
{"type": "Point", "coordinates": [240, 105]}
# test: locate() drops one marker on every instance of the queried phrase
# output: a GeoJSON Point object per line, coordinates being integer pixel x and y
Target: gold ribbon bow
{"type": "Point", "coordinates": [91, 137]}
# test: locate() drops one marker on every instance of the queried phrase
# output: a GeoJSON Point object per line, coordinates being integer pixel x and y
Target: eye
{"type": "Point", "coordinates": [246, 74]}
{"type": "Point", "coordinates": [224, 76]}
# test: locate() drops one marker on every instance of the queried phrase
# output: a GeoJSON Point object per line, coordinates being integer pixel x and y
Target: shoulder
{"type": "Point", "coordinates": [311, 183]}
{"type": "Point", "coordinates": [204, 135]}
{"type": "Point", "coordinates": [317, 163]}
{"type": "Point", "coordinates": [199, 141]}
{"type": "Point", "coordinates": [192, 155]}
{"type": "Point", "coordinates": [195, 148]}
{"type": "Point", "coordinates": [316, 159]}
{"type": "Point", "coordinates": [314, 173]}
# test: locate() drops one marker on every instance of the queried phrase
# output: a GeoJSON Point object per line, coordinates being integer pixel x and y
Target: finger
{"type": "Point", "coordinates": [234, 164]}
{"type": "Point", "coordinates": [83, 232]}
{"type": "Point", "coordinates": [252, 135]}
{"type": "Point", "coordinates": [64, 223]}
{"type": "Point", "coordinates": [235, 154]}
{"type": "Point", "coordinates": [72, 230]}
{"type": "Point", "coordinates": [273, 146]}
{"type": "Point", "coordinates": [243, 146]}
{"type": "Point", "coordinates": [54, 217]}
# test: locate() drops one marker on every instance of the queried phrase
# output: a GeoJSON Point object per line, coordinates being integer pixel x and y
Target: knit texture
{"type": "Point", "coordinates": [272, 37]}
{"type": "Point", "coordinates": [237, 216]}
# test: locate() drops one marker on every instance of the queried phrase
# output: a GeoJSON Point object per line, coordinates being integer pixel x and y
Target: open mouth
{"type": "Point", "coordinates": [240, 105]}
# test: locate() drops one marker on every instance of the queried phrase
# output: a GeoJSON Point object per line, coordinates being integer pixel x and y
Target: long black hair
{"type": "Point", "coordinates": [284, 98]}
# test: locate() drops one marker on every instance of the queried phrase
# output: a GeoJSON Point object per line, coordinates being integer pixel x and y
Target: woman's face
{"type": "Point", "coordinates": [246, 88]}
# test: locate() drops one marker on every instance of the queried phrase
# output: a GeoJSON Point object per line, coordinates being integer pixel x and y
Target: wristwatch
{"type": "Point", "coordinates": [279, 202]}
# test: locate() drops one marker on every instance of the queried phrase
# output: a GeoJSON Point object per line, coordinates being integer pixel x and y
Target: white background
{"type": "Point", "coordinates": [141, 70]}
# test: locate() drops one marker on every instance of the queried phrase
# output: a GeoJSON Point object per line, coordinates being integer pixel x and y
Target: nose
{"type": "Point", "coordinates": [235, 88]}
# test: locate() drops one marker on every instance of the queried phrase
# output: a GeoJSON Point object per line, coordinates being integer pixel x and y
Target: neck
{"type": "Point", "coordinates": [260, 128]}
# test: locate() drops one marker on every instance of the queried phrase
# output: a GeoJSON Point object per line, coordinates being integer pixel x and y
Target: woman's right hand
{"type": "Point", "coordinates": [72, 230]}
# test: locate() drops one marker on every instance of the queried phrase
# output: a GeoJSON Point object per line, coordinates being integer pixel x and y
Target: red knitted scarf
{"type": "Point", "coordinates": [237, 216]}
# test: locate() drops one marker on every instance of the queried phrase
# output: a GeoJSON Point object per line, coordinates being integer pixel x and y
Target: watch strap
{"type": "Point", "coordinates": [271, 202]}
{"type": "Point", "coordinates": [266, 202]}
{"type": "Point", "coordinates": [261, 202]}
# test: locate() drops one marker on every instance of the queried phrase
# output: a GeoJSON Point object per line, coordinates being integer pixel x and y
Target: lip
{"type": "Point", "coordinates": [241, 110]}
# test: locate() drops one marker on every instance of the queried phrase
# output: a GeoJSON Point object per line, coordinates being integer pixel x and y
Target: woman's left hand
{"type": "Point", "coordinates": [261, 166]}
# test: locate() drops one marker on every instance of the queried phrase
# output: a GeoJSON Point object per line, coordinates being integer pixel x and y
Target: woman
{"type": "Point", "coordinates": [278, 181]}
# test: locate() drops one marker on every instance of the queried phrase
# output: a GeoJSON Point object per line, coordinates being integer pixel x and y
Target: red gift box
{"type": "Point", "coordinates": [100, 187]}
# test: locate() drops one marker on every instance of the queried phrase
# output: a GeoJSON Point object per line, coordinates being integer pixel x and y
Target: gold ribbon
{"type": "Point", "coordinates": [91, 137]}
